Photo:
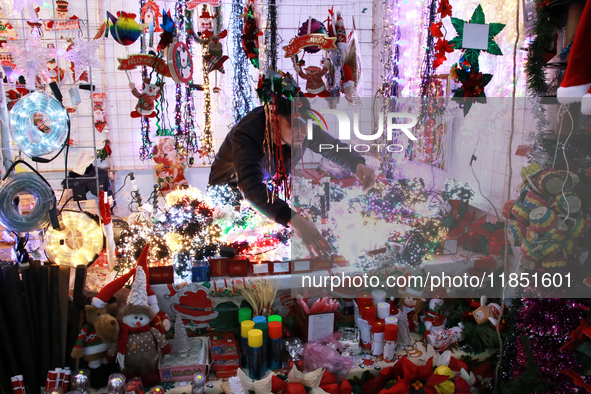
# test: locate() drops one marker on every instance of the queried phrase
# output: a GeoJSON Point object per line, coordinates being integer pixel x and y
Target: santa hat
{"type": "Point", "coordinates": [102, 298]}
{"type": "Point", "coordinates": [143, 262]}
{"type": "Point", "coordinates": [138, 295]}
{"type": "Point", "coordinates": [577, 78]}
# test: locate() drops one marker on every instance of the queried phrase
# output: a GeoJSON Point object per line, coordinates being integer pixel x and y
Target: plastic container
{"type": "Point", "coordinates": [255, 354]}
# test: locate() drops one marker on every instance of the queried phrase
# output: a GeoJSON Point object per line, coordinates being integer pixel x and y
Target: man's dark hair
{"type": "Point", "coordinates": [284, 105]}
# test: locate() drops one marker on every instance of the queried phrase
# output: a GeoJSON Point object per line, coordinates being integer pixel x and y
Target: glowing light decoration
{"type": "Point", "coordinates": [38, 124]}
{"type": "Point", "coordinates": [78, 241]}
{"type": "Point", "coordinates": [24, 183]}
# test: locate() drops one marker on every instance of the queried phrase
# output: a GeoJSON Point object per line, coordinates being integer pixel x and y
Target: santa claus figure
{"type": "Point", "coordinates": [160, 321]}
{"type": "Point", "coordinates": [434, 320]}
{"type": "Point", "coordinates": [313, 76]}
{"type": "Point", "coordinates": [146, 99]}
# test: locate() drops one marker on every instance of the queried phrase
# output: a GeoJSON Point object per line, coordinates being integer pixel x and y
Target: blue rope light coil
{"type": "Point", "coordinates": [20, 184]}
{"type": "Point", "coordinates": [38, 124]}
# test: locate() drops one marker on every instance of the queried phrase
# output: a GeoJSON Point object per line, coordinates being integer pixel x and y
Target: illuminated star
{"type": "Point", "coordinates": [83, 54]}
{"type": "Point", "coordinates": [31, 59]}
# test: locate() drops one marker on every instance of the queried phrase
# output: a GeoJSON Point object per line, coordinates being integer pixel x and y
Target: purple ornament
{"type": "Point", "coordinates": [315, 27]}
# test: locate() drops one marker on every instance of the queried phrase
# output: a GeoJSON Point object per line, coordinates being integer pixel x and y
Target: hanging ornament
{"type": "Point", "coordinates": [55, 73]}
{"type": "Point", "coordinates": [124, 29]}
{"type": "Point", "coordinates": [180, 62]}
{"type": "Point", "coordinates": [146, 99]}
{"type": "Point", "coordinates": [215, 58]}
{"type": "Point", "coordinates": [150, 14]}
{"type": "Point", "coordinates": [205, 21]}
{"type": "Point", "coordinates": [63, 19]}
{"type": "Point", "coordinates": [477, 18]}
{"type": "Point", "coordinates": [312, 26]}
{"type": "Point", "coordinates": [192, 4]}
{"type": "Point", "coordinates": [104, 152]}
{"type": "Point", "coordinates": [313, 76]}
{"type": "Point", "coordinates": [472, 89]}
{"type": "Point", "coordinates": [19, 5]}
{"type": "Point", "coordinates": [251, 34]}
{"type": "Point", "coordinates": [7, 31]}
{"type": "Point", "coordinates": [169, 31]}
{"type": "Point", "coordinates": [30, 60]}
{"type": "Point", "coordinates": [83, 54]}
{"type": "Point", "coordinates": [99, 105]}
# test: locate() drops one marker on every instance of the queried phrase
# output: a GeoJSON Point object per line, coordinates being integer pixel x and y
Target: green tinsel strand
{"type": "Point", "coordinates": [534, 67]}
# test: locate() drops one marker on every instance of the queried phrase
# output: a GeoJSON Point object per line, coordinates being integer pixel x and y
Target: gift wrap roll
{"type": "Point", "coordinates": [520, 212]}
{"type": "Point", "coordinates": [554, 262]}
{"type": "Point", "coordinates": [515, 233]}
{"type": "Point", "coordinates": [542, 219]}
{"type": "Point", "coordinates": [550, 182]}
{"type": "Point", "coordinates": [567, 203]}
{"type": "Point", "coordinates": [532, 200]}
{"type": "Point", "coordinates": [577, 229]}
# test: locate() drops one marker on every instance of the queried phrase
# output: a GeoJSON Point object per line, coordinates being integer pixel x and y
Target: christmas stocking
{"type": "Point", "coordinates": [577, 80]}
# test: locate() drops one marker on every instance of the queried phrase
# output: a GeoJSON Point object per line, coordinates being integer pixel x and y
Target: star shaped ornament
{"type": "Point", "coordinates": [31, 60]}
{"type": "Point", "coordinates": [469, 41]}
{"type": "Point", "coordinates": [19, 5]}
{"type": "Point", "coordinates": [83, 54]}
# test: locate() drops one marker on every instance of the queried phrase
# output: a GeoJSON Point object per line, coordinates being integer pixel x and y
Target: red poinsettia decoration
{"type": "Point", "coordinates": [416, 379]}
{"type": "Point", "coordinates": [442, 47]}
{"type": "Point", "coordinates": [444, 8]}
{"type": "Point", "coordinates": [474, 85]}
{"type": "Point", "coordinates": [496, 241]}
{"type": "Point", "coordinates": [435, 29]}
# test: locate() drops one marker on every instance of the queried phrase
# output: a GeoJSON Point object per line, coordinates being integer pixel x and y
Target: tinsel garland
{"type": "Point", "coordinates": [146, 148]}
{"type": "Point", "coordinates": [390, 55]}
{"type": "Point", "coordinates": [543, 31]}
{"type": "Point", "coordinates": [532, 360]}
{"type": "Point", "coordinates": [271, 38]}
{"type": "Point", "coordinates": [427, 71]}
{"type": "Point", "coordinates": [242, 100]}
{"type": "Point", "coordinates": [206, 150]}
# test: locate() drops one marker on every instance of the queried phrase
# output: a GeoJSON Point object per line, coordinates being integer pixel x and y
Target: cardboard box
{"type": "Point", "coordinates": [218, 266]}
{"type": "Point", "coordinates": [238, 266]}
{"type": "Point", "coordinates": [161, 275]}
{"type": "Point", "coordinates": [280, 267]}
{"type": "Point", "coordinates": [175, 368]}
{"type": "Point", "coordinates": [301, 266]}
{"type": "Point", "coordinates": [224, 355]}
{"type": "Point", "coordinates": [259, 268]}
{"type": "Point", "coordinates": [313, 327]}
{"type": "Point", "coordinates": [321, 265]}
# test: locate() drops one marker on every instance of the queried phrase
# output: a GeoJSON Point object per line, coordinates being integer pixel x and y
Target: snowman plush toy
{"type": "Point", "coordinates": [140, 344]}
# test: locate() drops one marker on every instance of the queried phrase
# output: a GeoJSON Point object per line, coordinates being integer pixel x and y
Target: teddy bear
{"type": "Point", "coordinates": [139, 344]}
{"type": "Point", "coordinates": [146, 99]}
{"type": "Point", "coordinates": [100, 327]}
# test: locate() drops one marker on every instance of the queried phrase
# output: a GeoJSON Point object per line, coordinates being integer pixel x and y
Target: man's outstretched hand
{"type": "Point", "coordinates": [366, 176]}
{"type": "Point", "coordinates": [311, 237]}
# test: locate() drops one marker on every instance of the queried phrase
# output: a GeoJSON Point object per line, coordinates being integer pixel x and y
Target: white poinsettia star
{"type": "Point", "coordinates": [468, 377]}
{"type": "Point", "coordinates": [83, 54]}
{"type": "Point", "coordinates": [31, 59]}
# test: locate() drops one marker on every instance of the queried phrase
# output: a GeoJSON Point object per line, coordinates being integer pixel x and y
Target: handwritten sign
{"type": "Point", "coordinates": [321, 41]}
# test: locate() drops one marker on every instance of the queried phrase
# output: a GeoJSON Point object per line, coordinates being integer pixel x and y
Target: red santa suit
{"type": "Point", "coordinates": [147, 98]}
{"type": "Point", "coordinates": [314, 83]}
